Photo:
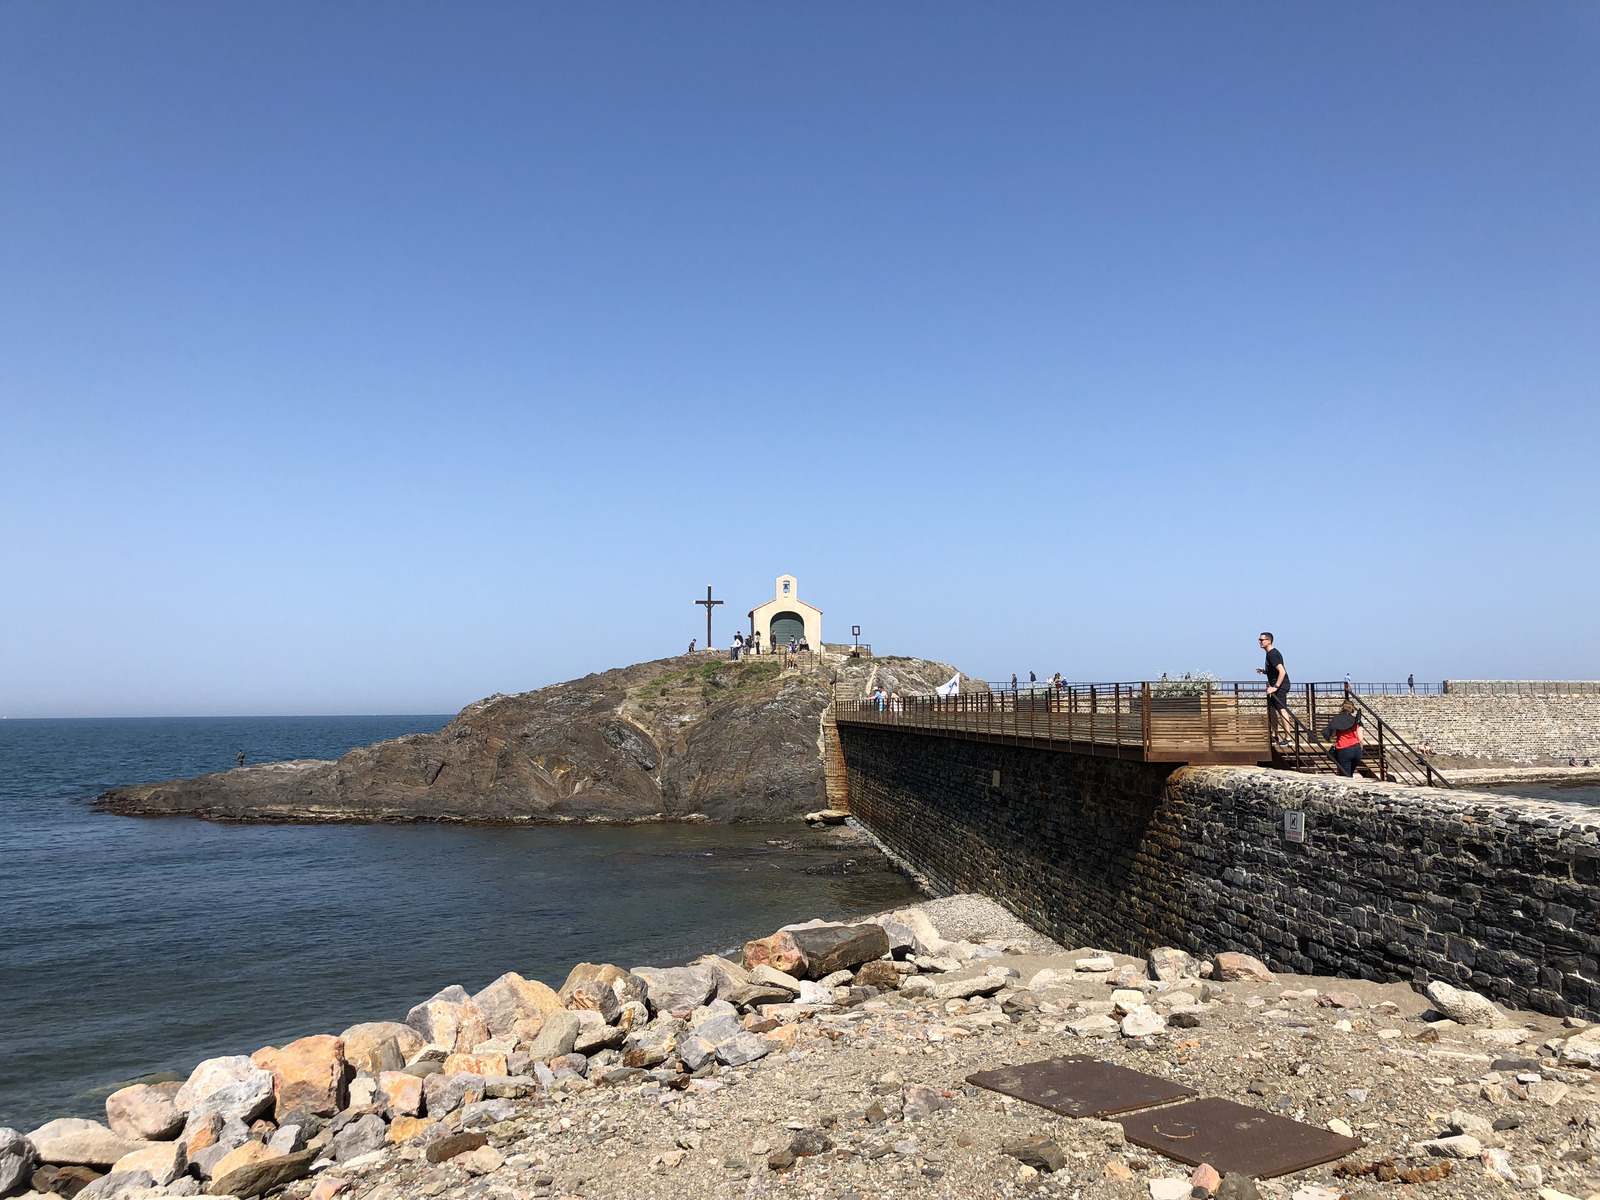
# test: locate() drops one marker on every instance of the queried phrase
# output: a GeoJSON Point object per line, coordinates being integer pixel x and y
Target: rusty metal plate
{"type": "Point", "coordinates": [1235, 1137]}
{"type": "Point", "coordinates": [1080, 1086]}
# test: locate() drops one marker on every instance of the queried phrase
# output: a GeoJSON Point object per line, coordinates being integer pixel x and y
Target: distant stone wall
{"type": "Point", "coordinates": [1506, 727]}
{"type": "Point", "coordinates": [1391, 883]}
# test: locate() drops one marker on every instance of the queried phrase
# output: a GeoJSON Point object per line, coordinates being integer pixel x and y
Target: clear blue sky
{"type": "Point", "coordinates": [377, 357]}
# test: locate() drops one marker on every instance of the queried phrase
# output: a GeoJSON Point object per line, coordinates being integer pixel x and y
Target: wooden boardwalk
{"type": "Point", "coordinates": [1219, 723]}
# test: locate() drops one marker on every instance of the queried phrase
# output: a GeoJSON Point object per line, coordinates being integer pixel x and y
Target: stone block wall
{"type": "Point", "coordinates": [1392, 883]}
{"type": "Point", "coordinates": [1484, 729]}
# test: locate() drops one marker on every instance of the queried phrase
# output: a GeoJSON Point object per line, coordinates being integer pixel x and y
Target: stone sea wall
{"type": "Point", "coordinates": [1504, 727]}
{"type": "Point", "coordinates": [1390, 884]}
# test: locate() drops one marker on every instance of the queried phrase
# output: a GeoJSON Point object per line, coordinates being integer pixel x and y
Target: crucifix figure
{"type": "Point", "coordinates": [708, 602]}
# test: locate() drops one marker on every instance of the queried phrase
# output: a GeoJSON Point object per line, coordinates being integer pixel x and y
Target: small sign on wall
{"type": "Point", "coordinates": [1294, 826]}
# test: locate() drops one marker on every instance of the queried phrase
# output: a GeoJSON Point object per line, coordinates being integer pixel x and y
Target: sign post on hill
{"type": "Point", "coordinates": [708, 602]}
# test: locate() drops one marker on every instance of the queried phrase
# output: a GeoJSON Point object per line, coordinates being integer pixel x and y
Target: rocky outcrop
{"type": "Point", "coordinates": [696, 735]}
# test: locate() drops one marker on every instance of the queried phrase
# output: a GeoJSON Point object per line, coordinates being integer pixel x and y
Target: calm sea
{"type": "Point", "coordinates": [132, 946]}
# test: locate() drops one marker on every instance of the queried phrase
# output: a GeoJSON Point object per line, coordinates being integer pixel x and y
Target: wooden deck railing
{"type": "Point", "coordinates": [1152, 721]}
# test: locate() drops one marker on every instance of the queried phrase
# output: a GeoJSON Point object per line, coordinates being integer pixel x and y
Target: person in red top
{"type": "Point", "coordinates": [1344, 730]}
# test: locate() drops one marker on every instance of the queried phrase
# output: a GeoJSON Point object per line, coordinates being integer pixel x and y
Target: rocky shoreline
{"type": "Point", "coordinates": [832, 1060]}
{"type": "Point", "coordinates": [695, 737]}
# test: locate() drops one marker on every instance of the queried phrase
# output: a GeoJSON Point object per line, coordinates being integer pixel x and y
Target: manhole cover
{"type": "Point", "coordinates": [1080, 1086]}
{"type": "Point", "coordinates": [1235, 1137]}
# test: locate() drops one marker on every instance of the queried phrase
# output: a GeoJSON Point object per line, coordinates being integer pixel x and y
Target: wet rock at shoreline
{"type": "Point", "coordinates": [375, 1046]}
{"type": "Point", "coordinates": [72, 1140]}
{"type": "Point", "coordinates": [18, 1160]}
{"type": "Point", "coordinates": [144, 1112]}
{"type": "Point", "coordinates": [232, 1086]}
{"type": "Point", "coordinates": [307, 1074]}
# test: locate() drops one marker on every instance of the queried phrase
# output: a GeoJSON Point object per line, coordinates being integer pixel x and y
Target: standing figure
{"type": "Point", "coordinates": [241, 758]}
{"type": "Point", "coordinates": [1411, 684]}
{"type": "Point", "coordinates": [1277, 690]}
{"type": "Point", "coordinates": [691, 644]}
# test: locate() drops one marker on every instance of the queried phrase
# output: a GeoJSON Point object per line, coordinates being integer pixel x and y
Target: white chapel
{"type": "Point", "coordinates": [786, 616]}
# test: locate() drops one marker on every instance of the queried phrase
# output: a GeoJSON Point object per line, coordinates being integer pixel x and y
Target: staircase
{"type": "Point", "coordinates": [1385, 754]}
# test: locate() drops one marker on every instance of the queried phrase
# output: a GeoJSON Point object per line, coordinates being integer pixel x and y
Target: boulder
{"type": "Point", "coordinates": [696, 1052]}
{"type": "Point", "coordinates": [1233, 966]}
{"type": "Point", "coordinates": [512, 998]}
{"type": "Point", "coordinates": [445, 1148]}
{"type": "Point", "coordinates": [557, 1037]}
{"type": "Point", "coordinates": [144, 1112]}
{"type": "Point", "coordinates": [232, 1086]}
{"type": "Point", "coordinates": [307, 1074]}
{"type": "Point", "coordinates": [239, 1156]}
{"type": "Point", "coordinates": [1126, 976]}
{"type": "Point", "coordinates": [586, 971]}
{"type": "Point", "coordinates": [1142, 1022]}
{"type": "Point", "coordinates": [364, 1045]}
{"type": "Point", "coordinates": [780, 953]}
{"type": "Point", "coordinates": [402, 1094]}
{"type": "Point", "coordinates": [73, 1140]}
{"type": "Point", "coordinates": [635, 1014]}
{"type": "Point", "coordinates": [672, 988]}
{"type": "Point", "coordinates": [741, 1048]}
{"type": "Point", "coordinates": [475, 1064]}
{"type": "Point", "coordinates": [286, 1139]}
{"type": "Point", "coordinates": [718, 1028]}
{"type": "Point", "coordinates": [361, 1136]}
{"type": "Point", "coordinates": [446, 1093]}
{"type": "Point", "coordinates": [595, 996]}
{"type": "Point", "coordinates": [592, 1039]}
{"type": "Point", "coordinates": [830, 948]}
{"type": "Point", "coordinates": [165, 1161]}
{"type": "Point", "coordinates": [879, 974]}
{"type": "Point", "coordinates": [901, 940]}
{"type": "Point", "coordinates": [649, 1048]}
{"type": "Point", "coordinates": [1462, 1006]}
{"type": "Point", "coordinates": [403, 1129]}
{"type": "Point", "coordinates": [117, 1184]}
{"type": "Point", "coordinates": [765, 975]}
{"type": "Point", "coordinates": [18, 1161]}
{"type": "Point", "coordinates": [262, 1176]}
{"type": "Point", "coordinates": [201, 1130]}
{"type": "Point", "coordinates": [1170, 965]}
{"type": "Point", "coordinates": [449, 1018]}
{"type": "Point", "coordinates": [729, 975]}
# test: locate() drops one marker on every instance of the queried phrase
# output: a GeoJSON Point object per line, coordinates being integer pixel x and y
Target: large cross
{"type": "Point", "coordinates": [708, 602]}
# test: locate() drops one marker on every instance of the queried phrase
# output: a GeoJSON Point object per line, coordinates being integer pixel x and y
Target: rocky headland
{"type": "Point", "coordinates": [833, 1060]}
{"type": "Point", "coordinates": [688, 737]}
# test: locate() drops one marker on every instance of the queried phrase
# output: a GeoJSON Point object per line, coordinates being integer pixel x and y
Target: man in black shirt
{"type": "Point", "coordinates": [1277, 690]}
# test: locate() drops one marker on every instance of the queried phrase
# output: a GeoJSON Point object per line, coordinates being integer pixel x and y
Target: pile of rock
{"type": "Point", "coordinates": [242, 1126]}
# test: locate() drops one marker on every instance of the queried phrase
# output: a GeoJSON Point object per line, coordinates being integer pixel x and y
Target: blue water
{"type": "Point", "coordinates": [131, 946]}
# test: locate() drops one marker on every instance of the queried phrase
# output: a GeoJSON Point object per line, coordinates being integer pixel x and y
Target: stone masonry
{"type": "Point", "coordinates": [1471, 730]}
{"type": "Point", "coordinates": [1391, 883]}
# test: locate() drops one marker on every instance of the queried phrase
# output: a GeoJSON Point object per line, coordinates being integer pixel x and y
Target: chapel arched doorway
{"type": "Point", "coordinates": [786, 625]}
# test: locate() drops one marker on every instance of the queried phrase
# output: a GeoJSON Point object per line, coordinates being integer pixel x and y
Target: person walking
{"type": "Point", "coordinates": [1344, 731]}
{"type": "Point", "coordinates": [1013, 681]}
{"type": "Point", "coordinates": [1277, 690]}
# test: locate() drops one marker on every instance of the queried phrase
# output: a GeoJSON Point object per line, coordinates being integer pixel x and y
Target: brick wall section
{"type": "Point", "coordinates": [1392, 883]}
{"type": "Point", "coordinates": [1480, 729]}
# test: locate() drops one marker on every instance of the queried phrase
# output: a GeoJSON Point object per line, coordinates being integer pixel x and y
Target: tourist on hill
{"type": "Point", "coordinates": [241, 758]}
{"type": "Point", "coordinates": [1411, 684]}
{"type": "Point", "coordinates": [692, 641]}
{"type": "Point", "coordinates": [1344, 731]}
{"type": "Point", "coordinates": [1277, 690]}
{"type": "Point", "coordinates": [738, 644]}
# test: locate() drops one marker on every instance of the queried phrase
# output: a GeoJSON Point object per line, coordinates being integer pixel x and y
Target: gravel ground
{"type": "Point", "coordinates": [846, 1095]}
